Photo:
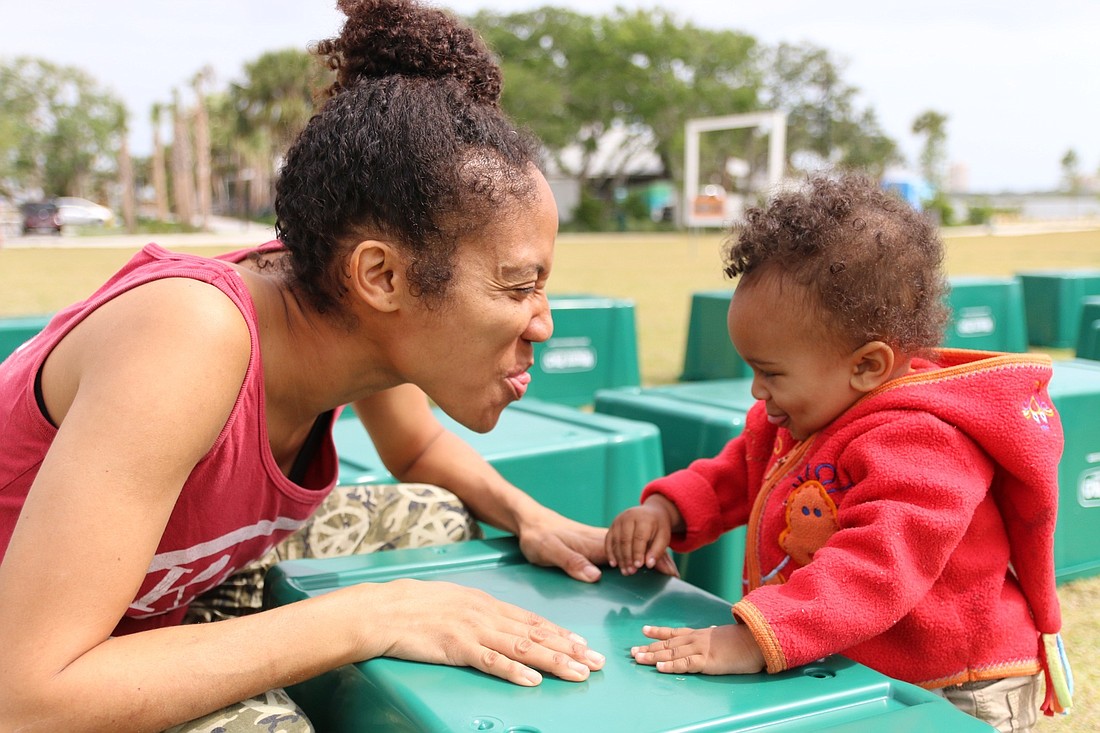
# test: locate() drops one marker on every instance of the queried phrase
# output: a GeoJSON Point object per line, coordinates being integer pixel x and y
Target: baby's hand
{"type": "Point", "coordinates": [729, 649]}
{"type": "Point", "coordinates": [639, 538]}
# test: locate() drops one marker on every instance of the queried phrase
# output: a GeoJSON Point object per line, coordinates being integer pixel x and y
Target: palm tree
{"type": "Point", "coordinates": [273, 104]}
{"type": "Point", "coordinates": [933, 125]}
{"type": "Point", "coordinates": [183, 177]}
{"type": "Point", "coordinates": [126, 181]}
{"type": "Point", "coordinates": [202, 146]}
{"type": "Point", "coordinates": [160, 178]}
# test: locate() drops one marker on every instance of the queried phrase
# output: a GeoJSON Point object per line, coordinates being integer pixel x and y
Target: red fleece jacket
{"type": "Point", "coordinates": [914, 534]}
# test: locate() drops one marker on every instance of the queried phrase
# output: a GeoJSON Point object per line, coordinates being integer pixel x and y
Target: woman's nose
{"type": "Point", "coordinates": [541, 326]}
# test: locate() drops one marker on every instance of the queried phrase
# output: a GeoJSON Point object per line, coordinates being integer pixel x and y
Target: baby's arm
{"type": "Point", "coordinates": [640, 535]}
{"type": "Point", "coordinates": [729, 649]}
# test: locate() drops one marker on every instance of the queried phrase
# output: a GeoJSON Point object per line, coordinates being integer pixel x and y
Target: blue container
{"type": "Point", "coordinates": [397, 696]}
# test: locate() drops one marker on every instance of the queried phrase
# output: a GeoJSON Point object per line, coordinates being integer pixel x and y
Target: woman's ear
{"type": "Point", "coordinates": [872, 366]}
{"type": "Point", "coordinates": [374, 274]}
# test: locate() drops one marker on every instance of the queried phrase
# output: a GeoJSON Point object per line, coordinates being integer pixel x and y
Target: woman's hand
{"type": "Point", "coordinates": [639, 537]}
{"type": "Point", "coordinates": [445, 623]}
{"type": "Point", "coordinates": [729, 649]}
{"type": "Point", "coordinates": [551, 540]}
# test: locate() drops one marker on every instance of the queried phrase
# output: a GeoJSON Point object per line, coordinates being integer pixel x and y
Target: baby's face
{"type": "Point", "coordinates": [799, 370]}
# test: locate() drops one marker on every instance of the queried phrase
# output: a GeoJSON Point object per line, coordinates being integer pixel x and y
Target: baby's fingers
{"type": "Point", "coordinates": [627, 541]}
{"type": "Point", "coordinates": [663, 633]}
{"type": "Point", "coordinates": [676, 650]}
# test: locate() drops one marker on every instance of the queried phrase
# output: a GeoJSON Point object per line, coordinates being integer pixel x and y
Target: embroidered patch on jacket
{"type": "Point", "coordinates": [1038, 411]}
{"type": "Point", "coordinates": [811, 521]}
{"type": "Point", "coordinates": [810, 518]}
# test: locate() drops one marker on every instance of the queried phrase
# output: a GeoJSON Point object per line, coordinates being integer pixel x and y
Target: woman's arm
{"type": "Point", "coordinates": [415, 447]}
{"type": "Point", "coordinates": [141, 391]}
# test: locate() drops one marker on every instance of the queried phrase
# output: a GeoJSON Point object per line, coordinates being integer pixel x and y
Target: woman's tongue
{"type": "Point", "coordinates": [519, 383]}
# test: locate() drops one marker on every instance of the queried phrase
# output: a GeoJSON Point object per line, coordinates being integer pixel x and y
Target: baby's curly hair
{"type": "Point", "coordinates": [872, 264]}
{"type": "Point", "coordinates": [411, 145]}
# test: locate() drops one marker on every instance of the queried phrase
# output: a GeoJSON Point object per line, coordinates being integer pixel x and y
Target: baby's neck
{"type": "Point", "coordinates": [902, 367]}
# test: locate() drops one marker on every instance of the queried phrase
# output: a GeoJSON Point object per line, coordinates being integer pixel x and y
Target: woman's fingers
{"type": "Point", "coordinates": [574, 551]}
{"type": "Point", "coordinates": [452, 624]}
{"type": "Point", "coordinates": [518, 659]}
{"type": "Point", "coordinates": [665, 564]}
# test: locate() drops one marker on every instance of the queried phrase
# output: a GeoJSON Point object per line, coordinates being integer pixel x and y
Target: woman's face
{"type": "Point", "coordinates": [476, 346]}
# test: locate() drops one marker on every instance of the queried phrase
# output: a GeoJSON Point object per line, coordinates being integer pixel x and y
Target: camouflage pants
{"type": "Point", "coordinates": [353, 520]}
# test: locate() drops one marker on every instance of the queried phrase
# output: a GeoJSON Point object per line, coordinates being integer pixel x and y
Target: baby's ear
{"type": "Point", "coordinates": [872, 366]}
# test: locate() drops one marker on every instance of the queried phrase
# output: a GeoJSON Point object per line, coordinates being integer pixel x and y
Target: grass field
{"type": "Point", "coordinates": [659, 273]}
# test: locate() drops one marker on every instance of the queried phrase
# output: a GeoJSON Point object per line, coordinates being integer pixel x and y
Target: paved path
{"type": "Point", "coordinates": [222, 231]}
{"type": "Point", "coordinates": [230, 233]}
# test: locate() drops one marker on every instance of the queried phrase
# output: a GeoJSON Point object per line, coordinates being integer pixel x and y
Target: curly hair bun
{"type": "Point", "coordinates": [383, 38]}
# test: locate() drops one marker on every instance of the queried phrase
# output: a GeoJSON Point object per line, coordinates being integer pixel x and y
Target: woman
{"type": "Point", "coordinates": [177, 424]}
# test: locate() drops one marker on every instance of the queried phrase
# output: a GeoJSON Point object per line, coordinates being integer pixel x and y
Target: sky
{"type": "Point", "coordinates": [1018, 81]}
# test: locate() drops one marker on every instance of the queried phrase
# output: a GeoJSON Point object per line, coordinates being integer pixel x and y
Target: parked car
{"type": "Point", "coordinates": [82, 212]}
{"type": "Point", "coordinates": [41, 216]}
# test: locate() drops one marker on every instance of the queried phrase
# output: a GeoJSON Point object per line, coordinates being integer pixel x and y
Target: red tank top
{"type": "Point", "coordinates": [236, 503]}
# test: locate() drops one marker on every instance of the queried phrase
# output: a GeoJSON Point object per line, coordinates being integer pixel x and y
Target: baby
{"type": "Point", "coordinates": [900, 500]}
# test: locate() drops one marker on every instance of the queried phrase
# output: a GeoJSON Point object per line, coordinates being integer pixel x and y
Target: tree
{"type": "Point", "coordinates": [824, 124]}
{"type": "Point", "coordinates": [160, 177]}
{"type": "Point", "coordinates": [1071, 177]}
{"type": "Point", "coordinates": [59, 132]}
{"type": "Point", "coordinates": [675, 72]}
{"type": "Point", "coordinates": [126, 184]}
{"type": "Point", "coordinates": [183, 174]}
{"type": "Point", "coordinates": [573, 78]}
{"type": "Point", "coordinates": [273, 103]}
{"type": "Point", "coordinates": [202, 145]}
{"type": "Point", "coordinates": [933, 125]}
{"type": "Point", "coordinates": [639, 75]}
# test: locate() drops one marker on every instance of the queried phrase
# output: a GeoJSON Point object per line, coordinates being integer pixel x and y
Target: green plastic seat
{"type": "Point", "coordinates": [15, 330]}
{"type": "Point", "coordinates": [1088, 333]}
{"type": "Point", "coordinates": [594, 346]}
{"type": "Point", "coordinates": [586, 466]}
{"type": "Point", "coordinates": [987, 314]}
{"type": "Point", "coordinates": [833, 695]}
{"type": "Point", "coordinates": [1053, 302]}
{"type": "Point", "coordinates": [708, 353]}
{"type": "Point", "coordinates": [1075, 391]}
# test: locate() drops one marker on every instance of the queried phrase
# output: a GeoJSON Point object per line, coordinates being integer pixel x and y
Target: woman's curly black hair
{"type": "Point", "coordinates": [411, 145]}
{"type": "Point", "coordinates": [872, 263]}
